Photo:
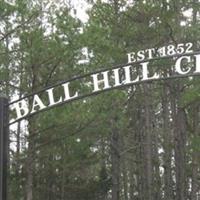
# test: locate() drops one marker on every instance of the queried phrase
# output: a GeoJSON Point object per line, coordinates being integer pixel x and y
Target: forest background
{"type": "Point", "coordinates": [137, 143]}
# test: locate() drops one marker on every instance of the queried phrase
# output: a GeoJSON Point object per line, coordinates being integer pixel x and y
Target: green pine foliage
{"type": "Point", "coordinates": [139, 142]}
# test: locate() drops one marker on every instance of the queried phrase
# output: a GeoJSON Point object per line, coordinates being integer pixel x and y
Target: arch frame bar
{"type": "Point", "coordinates": [101, 91]}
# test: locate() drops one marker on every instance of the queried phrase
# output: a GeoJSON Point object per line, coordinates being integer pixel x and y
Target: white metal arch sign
{"type": "Point", "coordinates": [185, 62]}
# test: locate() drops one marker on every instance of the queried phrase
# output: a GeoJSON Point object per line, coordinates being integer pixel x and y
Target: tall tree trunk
{"type": "Point", "coordinates": [157, 190]}
{"type": "Point", "coordinates": [195, 111]}
{"type": "Point", "coordinates": [179, 119]}
{"type": "Point", "coordinates": [115, 161]}
{"type": "Point", "coordinates": [124, 169]}
{"type": "Point", "coordinates": [180, 154]}
{"type": "Point", "coordinates": [30, 161]}
{"type": "Point", "coordinates": [148, 143]}
{"type": "Point", "coordinates": [195, 163]}
{"type": "Point", "coordinates": [31, 143]}
{"type": "Point", "coordinates": [168, 187]}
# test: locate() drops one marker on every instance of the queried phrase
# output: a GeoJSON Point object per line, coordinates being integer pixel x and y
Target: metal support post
{"type": "Point", "coordinates": [4, 131]}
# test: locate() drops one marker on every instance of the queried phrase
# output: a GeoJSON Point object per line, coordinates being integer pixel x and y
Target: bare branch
{"type": "Point", "coordinates": [18, 27]}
